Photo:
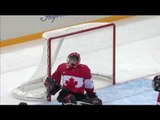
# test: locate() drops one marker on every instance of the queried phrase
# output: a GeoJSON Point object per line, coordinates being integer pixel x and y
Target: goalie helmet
{"type": "Point", "coordinates": [156, 83]}
{"type": "Point", "coordinates": [75, 57]}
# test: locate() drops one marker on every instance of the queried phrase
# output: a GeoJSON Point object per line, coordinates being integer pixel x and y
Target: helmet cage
{"type": "Point", "coordinates": [75, 57]}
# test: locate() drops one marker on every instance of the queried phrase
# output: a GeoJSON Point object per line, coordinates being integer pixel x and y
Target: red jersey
{"type": "Point", "coordinates": [77, 80]}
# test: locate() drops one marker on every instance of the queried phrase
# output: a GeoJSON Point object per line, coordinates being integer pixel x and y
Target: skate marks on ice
{"type": "Point", "coordinates": [135, 92]}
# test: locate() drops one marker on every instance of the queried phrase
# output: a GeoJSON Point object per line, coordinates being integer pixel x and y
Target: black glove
{"type": "Point", "coordinates": [66, 96]}
{"type": "Point", "coordinates": [62, 94]}
{"type": "Point", "coordinates": [52, 86]}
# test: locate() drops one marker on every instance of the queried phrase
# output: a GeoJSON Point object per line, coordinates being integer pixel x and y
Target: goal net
{"type": "Point", "coordinates": [95, 42]}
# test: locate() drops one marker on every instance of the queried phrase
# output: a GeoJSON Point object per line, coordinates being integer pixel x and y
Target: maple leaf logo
{"type": "Point", "coordinates": [71, 83]}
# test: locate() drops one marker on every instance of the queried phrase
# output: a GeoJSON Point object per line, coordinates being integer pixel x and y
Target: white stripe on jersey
{"type": "Point", "coordinates": [88, 83]}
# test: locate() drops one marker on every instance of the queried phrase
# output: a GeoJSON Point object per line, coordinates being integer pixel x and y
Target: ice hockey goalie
{"type": "Point", "coordinates": [77, 83]}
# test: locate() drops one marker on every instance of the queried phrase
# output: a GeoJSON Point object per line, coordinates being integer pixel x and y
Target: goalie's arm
{"type": "Point", "coordinates": [88, 84]}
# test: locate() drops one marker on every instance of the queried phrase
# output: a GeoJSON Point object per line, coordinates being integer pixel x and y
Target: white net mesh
{"type": "Point", "coordinates": [95, 47]}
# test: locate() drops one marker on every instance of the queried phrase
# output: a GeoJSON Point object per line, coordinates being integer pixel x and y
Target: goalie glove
{"type": "Point", "coordinates": [52, 86]}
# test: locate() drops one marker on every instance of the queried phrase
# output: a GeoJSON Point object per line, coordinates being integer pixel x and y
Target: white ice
{"type": "Point", "coordinates": [137, 56]}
